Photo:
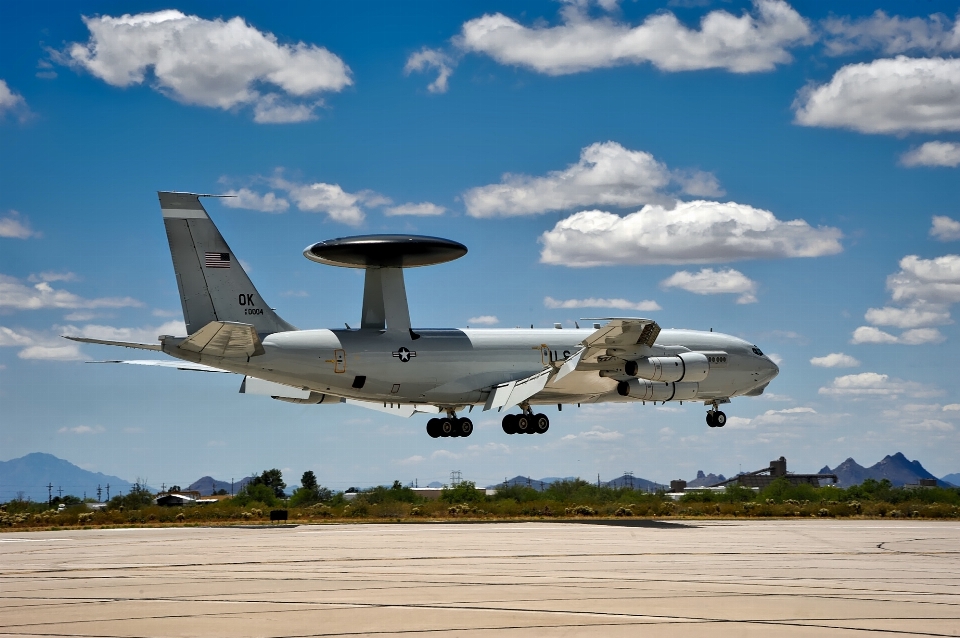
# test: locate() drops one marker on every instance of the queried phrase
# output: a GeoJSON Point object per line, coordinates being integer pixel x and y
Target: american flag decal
{"type": "Point", "coordinates": [217, 260]}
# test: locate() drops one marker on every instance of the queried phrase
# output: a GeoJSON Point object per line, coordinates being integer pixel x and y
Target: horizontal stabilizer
{"type": "Point", "coordinates": [224, 339]}
{"type": "Point", "coordinates": [125, 344]}
{"type": "Point", "coordinates": [179, 365]}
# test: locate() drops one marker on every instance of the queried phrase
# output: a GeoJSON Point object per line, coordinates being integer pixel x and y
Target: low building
{"type": "Point", "coordinates": [777, 469]}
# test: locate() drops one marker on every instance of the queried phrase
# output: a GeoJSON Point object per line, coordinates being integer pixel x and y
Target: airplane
{"type": "Point", "coordinates": [386, 364]}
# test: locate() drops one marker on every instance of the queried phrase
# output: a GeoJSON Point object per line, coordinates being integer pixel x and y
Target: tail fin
{"type": "Point", "coordinates": [213, 285]}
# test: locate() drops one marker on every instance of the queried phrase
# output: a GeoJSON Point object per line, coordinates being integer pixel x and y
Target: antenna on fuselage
{"type": "Point", "coordinates": [384, 257]}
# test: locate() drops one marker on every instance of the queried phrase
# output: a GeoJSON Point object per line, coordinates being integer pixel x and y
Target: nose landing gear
{"type": "Point", "coordinates": [716, 418]}
{"type": "Point", "coordinates": [449, 425]}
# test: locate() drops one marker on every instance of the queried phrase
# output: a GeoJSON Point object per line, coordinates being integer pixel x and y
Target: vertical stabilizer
{"type": "Point", "coordinates": [213, 285]}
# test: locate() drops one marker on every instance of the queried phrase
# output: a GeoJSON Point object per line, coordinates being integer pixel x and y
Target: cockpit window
{"type": "Point", "coordinates": [757, 351]}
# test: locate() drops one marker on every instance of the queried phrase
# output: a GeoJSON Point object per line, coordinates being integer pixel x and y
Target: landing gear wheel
{"type": "Point", "coordinates": [464, 427]}
{"type": "Point", "coordinates": [509, 423]}
{"type": "Point", "coordinates": [446, 427]}
{"type": "Point", "coordinates": [720, 419]}
{"type": "Point", "coordinates": [710, 419]}
{"type": "Point", "coordinates": [540, 423]}
{"type": "Point", "coordinates": [433, 428]}
{"type": "Point", "coordinates": [523, 424]}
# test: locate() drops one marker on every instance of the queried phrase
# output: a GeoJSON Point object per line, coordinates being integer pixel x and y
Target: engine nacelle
{"type": "Point", "coordinates": [646, 390]}
{"type": "Point", "coordinates": [315, 398]}
{"type": "Point", "coordinates": [687, 366]}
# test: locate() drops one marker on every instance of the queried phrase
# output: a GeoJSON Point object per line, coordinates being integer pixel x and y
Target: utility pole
{"type": "Point", "coordinates": [98, 492]}
{"type": "Point", "coordinates": [163, 487]}
{"type": "Point", "coordinates": [60, 492]}
{"type": "Point", "coordinates": [108, 491]}
{"type": "Point", "coordinates": [231, 486]}
{"type": "Point", "coordinates": [598, 480]}
{"type": "Point", "coordinates": [49, 494]}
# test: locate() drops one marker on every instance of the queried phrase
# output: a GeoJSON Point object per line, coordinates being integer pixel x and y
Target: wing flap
{"type": "Point", "coordinates": [510, 394]}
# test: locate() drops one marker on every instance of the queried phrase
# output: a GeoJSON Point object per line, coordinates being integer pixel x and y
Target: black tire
{"type": "Point", "coordinates": [446, 427]}
{"type": "Point", "coordinates": [710, 420]}
{"type": "Point", "coordinates": [509, 423]}
{"type": "Point", "coordinates": [522, 424]}
{"type": "Point", "coordinates": [720, 419]}
{"type": "Point", "coordinates": [433, 428]}
{"type": "Point", "coordinates": [464, 427]}
{"type": "Point", "coordinates": [540, 423]}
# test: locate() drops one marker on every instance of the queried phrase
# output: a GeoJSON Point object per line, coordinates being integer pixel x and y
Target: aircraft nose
{"type": "Point", "coordinates": [772, 369]}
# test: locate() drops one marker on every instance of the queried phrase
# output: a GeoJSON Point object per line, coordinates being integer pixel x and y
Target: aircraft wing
{"type": "Point", "coordinates": [507, 395]}
{"type": "Point", "coordinates": [405, 410]}
{"type": "Point", "coordinates": [179, 365]}
{"type": "Point", "coordinates": [621, 332]}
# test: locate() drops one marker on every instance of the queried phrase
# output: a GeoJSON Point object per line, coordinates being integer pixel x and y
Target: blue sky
{"type": "Point", "coordinates": [770, 170]}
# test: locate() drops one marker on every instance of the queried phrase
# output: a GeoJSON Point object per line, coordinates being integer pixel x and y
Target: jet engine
{"type": "Point", "coordinates": [687, 366]}
{"type": "Point", "coordinates": [315, 398]}
{"type": "Point", "coordinates": [646, 390]}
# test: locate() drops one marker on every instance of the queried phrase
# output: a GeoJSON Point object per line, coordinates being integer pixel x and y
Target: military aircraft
{"type": "Point", "coordinates": [386, 364]}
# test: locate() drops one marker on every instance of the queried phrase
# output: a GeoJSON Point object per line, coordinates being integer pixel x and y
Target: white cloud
{"type": "Point", "coordinates": [331, 199]}
{"type": "Point", "coordinates": [952, 407]}
{"type": "Point", "coordinates": [933, 154]}
{"type": "Point", "coordinates": [426, 59]}
{"type": "Point", "coordinates": [896, 95]}
{"type": "Point", "coordinates": [945, 228]}
{"type": "Point", "coordinates": [926, 280]}
{"type": "Point", "coordinates": [741, 44]}
{"type": "Point", "coordinates": [17, 296]}
{"type": "Point", "coordinates": [606, 174]}
{"type": "Point", "coordinates": [13, 226]}
{"type": "Point", "coordinates": [891, 34]}
{"type": "Point", "coordinates": [423, 209]}
{"type": "Point", "coordinates": [929, 425]}
{"type": "Point", "coordinates": [49, 275]}
{"type": "Point", "coordinates": [597, 433]}
{"type": "Point", "coordinates": [83, 429]}
{"type": "Point", "coordinates": [712, 282]}
{"type": "Point", "coordinates": [835, 360]}
{"type": "Point", "coordinates": [872, 384]}
{"type": "Point", "coordinates": [411, 460]}
{"type": "Point", "coordinates": [692, 232]}
{"type": "Point", "coordinates": [444, 454]}
{"type": "Point", "coordinates": [12, 103]}
{"type": "Point", "coordinates": [914, 337]}
{"type": "Point", "coordinates": [912, 317]}
{"type": "Point", "coordinates": [248, 199]}
{"type": "Point", "coordinates": [64, 352]}
{"type": "Point", "coordinates": [217, 63]}
{"type": "Point", "coordinates": [646, 305]}
{"type": "Point", "coordinates": [483, 320]}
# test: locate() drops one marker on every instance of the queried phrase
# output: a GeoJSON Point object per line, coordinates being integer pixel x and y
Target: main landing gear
{"type": "Point", "coordinates": [716, 418]}
{"type": "Point", "coordinates": [526, 423]}
{"type": "Point", "coordinates": [449, 425]}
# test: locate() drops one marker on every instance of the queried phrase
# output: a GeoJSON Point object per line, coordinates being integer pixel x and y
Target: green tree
{"type": "Point", "coordinates": [272, 479]}
{"type": "Point", "coordinates": [463, 492]}
{"type": "Point", "coordinates": [309, 481]}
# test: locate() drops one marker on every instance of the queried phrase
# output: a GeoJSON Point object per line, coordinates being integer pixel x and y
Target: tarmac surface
{"type": "Point", "coordinates": [704, 578]}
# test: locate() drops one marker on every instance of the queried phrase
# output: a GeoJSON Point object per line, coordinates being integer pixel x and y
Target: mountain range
{"type": "Point", "coordinates": [29, 476]}
{"type": "Point", "coordinates": [896, 468]}
{"type": "Point", "coordinates": [208, 485]}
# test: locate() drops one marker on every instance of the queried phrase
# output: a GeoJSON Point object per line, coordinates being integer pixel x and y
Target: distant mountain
{"type": "Point", "coordinates": [537, 484]}
{"type": "Point", "coordinates": [706, 480]}
{"type": "Point", "coordinates": [896, 468]}
{"type": "Point", "coordinates": [635, 482]}
{"type": "Point", "coordinates": [208, 485]}
{"type": "Point", "coordinates": [952, 479]}
{"type": "Point", "coordinates": [32, 473]}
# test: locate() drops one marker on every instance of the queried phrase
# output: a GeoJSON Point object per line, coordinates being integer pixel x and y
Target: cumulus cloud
{"type": "Point", "coordinates": [748, 43]}
{"type": "Point", "coordinates": [929, 425]}
{"type": "Point", "coordinates": [891, 35]}
{"type": "Point", "coordinates": [14, 295]}
{"type": "Point", "coordinates": [945, 228]}
{"type": "Point", "coordinates": [692, 232]}
{"type": "Point", "coordinates": [952, 407]}
{"type": "Point", "coordinates": [647, 305]}
{"type": "Point", "coordinates": [13, 104]}
{"type": "Point", "coordinates": [914, 337]}
{"type": "Point", "coordinates": [423, 209]}
{"type": "Point", "coordinates": [712, 282]}
{"type": "Point", "coordinates": [483, 320]}
{"type": "Point", "coordinates": [933, 154]}
{"type": "Point", "coordinates": [896, 95]}
{"type": "Point", "coordinates": [427, 59]}
{"type": "Point", "coordinates": [13, 226]}
{"type": "Point", "coordinates": [770, 417]}
{"type": "Point", "coordinates": [411, 460]}
{"type": "Point", "coordinates": [338, 204]}
{"type": "Point", "coordinates": [872, 384]}
{"type": "Point", "coordinates": [248, 199]}
{"type": "Point", "coordinates": [218, 63]}
{"type": "Point", "coordinates": [835, 360]}
{"type": "Point", "coordinates": [50, 275]}
{"type": "Point", "coordinates": [926, 280]}
{"type": "Point", "coordinates": [913, 317]}
{"type": "Point", "coordinates": [38, 345]}
{"type": "Point", "coordinates": [606, 174]}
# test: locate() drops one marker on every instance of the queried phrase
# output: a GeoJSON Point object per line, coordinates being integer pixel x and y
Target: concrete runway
{"type": "Point", "coordinates": [718, 578]}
